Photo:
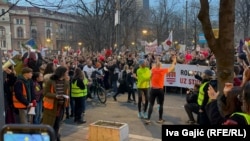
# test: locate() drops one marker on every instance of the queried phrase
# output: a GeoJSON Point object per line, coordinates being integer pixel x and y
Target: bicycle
{"type": "Point", "coordinates": [98, 90]}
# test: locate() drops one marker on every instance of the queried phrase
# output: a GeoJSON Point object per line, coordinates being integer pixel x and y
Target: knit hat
{"type": "Point", "coordinates": [242, 56]}
{"type": "Point", "coordinates": [209, 72]}
{"type": "Point", "coordinates": [214, 84]}
{"type": "Point", "coordinates": [141, 61]}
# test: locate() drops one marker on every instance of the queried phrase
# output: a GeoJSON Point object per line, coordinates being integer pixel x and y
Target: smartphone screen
{"type": "Point", "coordinates": [12, 136]}
{"type": "Point", "coordinates": [27, 133]}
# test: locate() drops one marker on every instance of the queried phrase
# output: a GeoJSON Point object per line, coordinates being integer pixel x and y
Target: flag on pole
{"type": "Point", "coordinates": [240, 47]}
{"type": "Point", "coordinates": [168, 42]}
{"type": "Point", "coordinates": [31, 44]}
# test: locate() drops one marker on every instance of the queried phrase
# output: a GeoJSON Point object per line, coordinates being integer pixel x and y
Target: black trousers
{"type": "Point", "coordinates": [58, 122]}
{"type": "Point", "coordinates": [159, 94]}
{"type": "Point", "coordinates": [78, 107]}
{"type": "Point", "coordinates": [191, 108]}
{"type": "Point", "coordinates": [142, 91]}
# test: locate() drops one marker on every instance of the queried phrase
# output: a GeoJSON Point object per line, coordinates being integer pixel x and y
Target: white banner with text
{"type": "Point", "coordinates": [183, 75]}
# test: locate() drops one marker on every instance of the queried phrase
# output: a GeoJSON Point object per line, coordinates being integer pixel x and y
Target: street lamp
{"type": "Point", "coordinates": [79, 43]}
{"type": "Point", "coordinates": [144, 32]}
{"type": "Point", "coordinates": [48, 40]}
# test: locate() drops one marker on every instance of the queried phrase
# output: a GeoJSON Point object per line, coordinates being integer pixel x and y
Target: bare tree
{"type": "Point", "coordinates": [96, 20]}
{"type": "Point", "coordinates": [53, 5]}
{"type": "Point", "coordinates": [164, 19]}
{"type": "Point", "coordinates": [242, 11]}
{"type": "Point", "coordinates": [225, 42]}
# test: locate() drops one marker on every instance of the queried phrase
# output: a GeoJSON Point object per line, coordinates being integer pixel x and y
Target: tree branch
{"type": "Point", "coordinates": [203, 16]}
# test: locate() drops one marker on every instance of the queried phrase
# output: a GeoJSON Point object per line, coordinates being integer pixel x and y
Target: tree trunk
{"type": "Point", "coordinates": [223, 46]}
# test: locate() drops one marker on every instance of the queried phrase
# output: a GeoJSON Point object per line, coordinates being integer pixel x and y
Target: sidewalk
{"type": "Point", "coordinates": [124, 112]}
{"type": "Point", "coordinates": [71, 132]}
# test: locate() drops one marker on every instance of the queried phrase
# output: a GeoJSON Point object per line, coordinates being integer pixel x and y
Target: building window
{"type": "Point", "coordinates": [34, 33]}
{"type": "Point", "coordinates": [3, 43]}
{"type": "Point", "coordinates": [47, 23]}
{"type": "Point", "coordinates": [33, 23]}
{"type": "Point", "coordinates": [48, 34]}
{"type": "Point", "coordinates": [70, 27]}
{"type": "Point", "coordinates": [19, 21]}
{"type": "Point", "coordinates": [19, 32]}
{"type": "Point", "coordinates": [2, 31]}
{"type": "Point", "coordinates": [19, 44]}
{"type": "Point", "coordinates": [61, 26]}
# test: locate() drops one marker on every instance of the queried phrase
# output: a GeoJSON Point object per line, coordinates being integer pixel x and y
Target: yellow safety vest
{"type": "Point", "coordinates": [201, 94]}
{"type": "Point", "coordinates": [76, 91]}
{"type": "Point", "coordinates": [245, 115]}
{"type": "Point", "coordinates": [85, 91]}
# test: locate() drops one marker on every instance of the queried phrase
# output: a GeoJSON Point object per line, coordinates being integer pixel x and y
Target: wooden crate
{"type": "Point", "coordinates": [108, 131]}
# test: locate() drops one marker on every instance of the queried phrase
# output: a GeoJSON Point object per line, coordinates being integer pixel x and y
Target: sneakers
{"type": "Point", "coordinates": [140, 115]}
{"type": "Point", "coordinates": [80, 121]}
{"type": "Point", "coordinates": [129, 101]}
{"type": "Point", "coordinates": [191, 122]}
{"type": "Point", "coordinates": [114, 98]}
{"type": "Point", "coordinates": [160, 121]}
{"type": "Point", "coordinates": [147, 121]}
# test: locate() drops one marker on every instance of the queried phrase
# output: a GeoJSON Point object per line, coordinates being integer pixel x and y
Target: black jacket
{"type": "Point", "coordinates": [213, 113]}
{"type": "Point", "coordinates": [29, 89]}
{"type": "Point", "coordinates": [192, 97]}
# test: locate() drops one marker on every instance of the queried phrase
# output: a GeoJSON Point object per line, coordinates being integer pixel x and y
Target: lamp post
{"type": "Point", "coordinates": [117, 24]}
{"type": "Point", "coordinates": [2, 105]}
{"type": "Point", "coordinates": [186, 9]}
{"type": "Point", "coordinates": [145, 33]}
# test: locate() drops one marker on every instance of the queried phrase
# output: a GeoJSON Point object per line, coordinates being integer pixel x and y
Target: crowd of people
{"type": "Point", "coordinates": [58, 86]}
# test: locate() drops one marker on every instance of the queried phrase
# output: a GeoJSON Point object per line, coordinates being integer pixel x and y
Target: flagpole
{"type": "Point", "coordinates": [185, 39]}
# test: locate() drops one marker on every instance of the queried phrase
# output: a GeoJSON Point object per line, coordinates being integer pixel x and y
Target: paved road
{"type": "Point", "coordinates": [121, 111]}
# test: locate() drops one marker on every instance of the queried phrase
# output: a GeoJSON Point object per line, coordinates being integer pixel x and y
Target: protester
{"type": "Point", "coordinates": [56, 93]}
{"type": "Point", "coordinates": [143, 75]}
{"type": "Point", "coordinates": [191, 105]}
{"type": "Point", "coordinates": [37, 84]}
{"type": "Point", "coordinates": [24, 94]}
{"type": "Point", "coordinates": [78, 94]}
{"type": "Point", "coordinates": [203, 98]}
{"type": "Point", "coordinates": [157, 84]}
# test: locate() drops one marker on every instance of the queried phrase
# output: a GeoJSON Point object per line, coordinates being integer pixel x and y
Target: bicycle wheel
{"type": "Point", "coordinates": [101, 94]}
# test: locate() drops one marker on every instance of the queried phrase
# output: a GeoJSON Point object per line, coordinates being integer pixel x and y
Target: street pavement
{"type": "Point", "coordinates": [121, 111]}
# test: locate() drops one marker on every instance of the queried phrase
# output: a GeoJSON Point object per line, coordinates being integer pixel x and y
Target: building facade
{"type": "Point", "coordinates": [142, 4]}
{"type": "Point", "coordinates": [50, 29]}
{"type": "Point", "coordinates": [5, 30]}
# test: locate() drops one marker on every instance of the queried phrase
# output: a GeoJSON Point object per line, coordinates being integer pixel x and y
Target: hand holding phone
{"type": "Point", "coordinates": [29, 132]}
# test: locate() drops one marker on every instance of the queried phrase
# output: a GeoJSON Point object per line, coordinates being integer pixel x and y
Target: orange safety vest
{"type": "Point", "coordinates": [48, 103]}
{"type": "Point", "coordinates": [17, 103]}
